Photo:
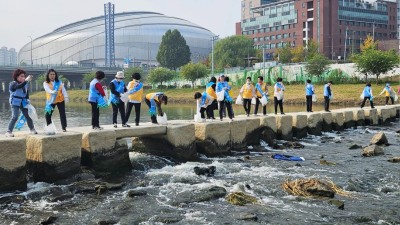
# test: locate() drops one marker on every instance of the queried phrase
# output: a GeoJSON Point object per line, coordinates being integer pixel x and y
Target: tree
{"type": "Point", "coordinates": [232, 51]}
{"type": "Point", "coordinates": [311, 50]}
{"type": "Point", "coordinates": [173, 52]}
{"type": "Point", "coordinates": [375, 62]}
{"type": "Point", "coordinates": [192, 72]}
{"type": "Point", "coordinates": [298, 54]}
{"type": "Point", "coordinates": [160, 75]}
{"type": "Point", "coordinates": [88, 77]}
{"type": "Point", "coordinates": [368, 43]}
{"type": "Point", "coordinates": [128, 74]}
{"type": "Point", "coordinates": [285, 54]}
{"type": "Point", "coordinates": [317, 65]}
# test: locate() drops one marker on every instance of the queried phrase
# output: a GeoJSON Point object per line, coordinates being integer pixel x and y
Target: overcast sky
{"type": "Point", "coordinates": [22, 18]}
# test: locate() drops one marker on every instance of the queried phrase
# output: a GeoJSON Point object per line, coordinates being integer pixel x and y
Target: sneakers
{"type": "Point", "coordinates": [115, 125]}
{"type": "Point", "coordinates": [137, 124]}
{"type": "Point", "coordinates": [64, 130]}
{"type": "Point", "coordinates": [9, 134]}
{"type": "Point", "coordinates": [126, 125]}
{"type": "Point", "coordinates": [33, 131]}
{"type": "Point", "coordinates": [247, 115]}
{"type": "Point", "coordinates": [98, 128]}
{"type": "Point", "coordinates": [203, 120]}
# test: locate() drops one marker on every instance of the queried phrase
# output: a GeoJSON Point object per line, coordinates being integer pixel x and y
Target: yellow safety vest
{"type": "Point", "coordinates": [59, 97]}
{"type": "Point", "coordinates": [248, 91]}
{"type": "Point", "coordinates": [137, 96]}
{"type": "Point", "coordinates": [263, 88]}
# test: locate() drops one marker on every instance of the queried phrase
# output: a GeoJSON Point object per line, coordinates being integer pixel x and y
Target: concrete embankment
{"type": "Point", "coordinates": [50, 158]}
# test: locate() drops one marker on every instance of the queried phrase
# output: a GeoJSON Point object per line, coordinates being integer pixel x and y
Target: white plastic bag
{"type": "Point", "coordinates": [32, 112]}
{"type": "Point", "coordinates": [264, 100]}
{"type": "Point", "coordinates": [220, 96]}
{"type": "Point", "coordinates": [253, 101]}
{"type": "Point", "coordinates": [279, 95]}
{"type": "Point", "coordinates": [162, 119]}
{"type": "Point", "coordinates": [197, 118]}
{"type": "Point", "coordinates": [362, 96]}
{"type": "Point", "coordinates": [50, 129]}
{"type": "Point", "coordinates": [314, 98]}
{"type": "Point", "coordinates": [239, 100]}
{"type": "Point", "coordinates": [396, 98]}
{"type": "Point", "coordinates": [124, 97]}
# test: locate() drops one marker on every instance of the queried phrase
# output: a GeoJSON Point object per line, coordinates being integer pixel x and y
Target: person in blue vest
{"type": "Point", "coordinates": [261, 90]}
{"type": "Point", "coordinates": [97, 98]}
{"type": "Point", "coordinates": [205, 102]}
{"type": "Point", "coordinates": [19, 100]}
{"type": "Point", "coordinates": [227, 101]}
{"type": "Point", "coordinates": [367, 92]}
{"type": "Point", "coordinates": [154, 101]}
{"type": "Point", "coordinates": [117, 88]}
{"type": "Point", "coordinates": [210, 89]}
{"type": "Point", "coordinates": [309, 93]}
{"type": "Point", "coordinates": [327, 95]}
{"type": "Point", "coordinates": [279, 89]}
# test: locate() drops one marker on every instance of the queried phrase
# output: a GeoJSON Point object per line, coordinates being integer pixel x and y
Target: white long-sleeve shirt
{"type": "Point", "coordinates": [48, 90]}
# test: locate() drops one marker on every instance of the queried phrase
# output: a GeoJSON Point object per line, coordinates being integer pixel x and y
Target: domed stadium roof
{"type": "Point", "coordinates": [137, 37]}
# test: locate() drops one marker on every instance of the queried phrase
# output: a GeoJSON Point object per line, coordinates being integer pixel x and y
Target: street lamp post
{"type": "Point", "coordinates": [31, 51]}
{"type": "Point", "coordinates": [213, 39]}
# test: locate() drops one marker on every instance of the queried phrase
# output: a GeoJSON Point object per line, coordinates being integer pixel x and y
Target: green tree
{"type": "Point", "coordinates": [88, 77]}
{"type": "Point", "coordinates": [375, 62]}
{"type": "Point", "coordinates": [160, 75]}
{"type": "Point", "coordinates": [128, 74]}
{"type": "Point", "coordinates": [298, 54]}
{"type": "Point", "coordinates": [311, 50]}
{"type": "Point", "coordinates": [284, 54]}
{"type": "Point", "coordinates": [232, 51]}
{"type": "Point", "coordinates": [173, 52]}
{"type": "Point", "coordinates": [317, 65]}
{"type": "Point", "coordinates": [192, 72]}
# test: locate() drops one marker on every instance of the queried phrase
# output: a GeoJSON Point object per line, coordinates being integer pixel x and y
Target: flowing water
{"type": "Point", "coordinates": [172, 193]}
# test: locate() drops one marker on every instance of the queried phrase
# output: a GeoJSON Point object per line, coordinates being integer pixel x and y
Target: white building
{"type": "Point", "coordinates": [8, 57]}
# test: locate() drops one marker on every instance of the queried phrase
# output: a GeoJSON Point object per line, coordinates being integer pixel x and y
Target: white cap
{"type": "Point", "coordinates": [120, 74]}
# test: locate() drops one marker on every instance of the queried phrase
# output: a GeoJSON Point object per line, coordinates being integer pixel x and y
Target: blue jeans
{"type": "Point", "coordinates": [15, 115]}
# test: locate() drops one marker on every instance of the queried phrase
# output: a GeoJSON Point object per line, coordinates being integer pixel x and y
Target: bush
{"type": "Point", "coordinates": [187, 86]}
{"type": "Point", "coordinates": [162, 86]}
{"type": "Point", "coordinates": [171, 87]}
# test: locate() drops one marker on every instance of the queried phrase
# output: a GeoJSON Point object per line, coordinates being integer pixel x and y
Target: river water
{"type": "Point", "coordinates": [173, 189]}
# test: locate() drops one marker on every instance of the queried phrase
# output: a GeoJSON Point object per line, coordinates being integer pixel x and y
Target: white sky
{"type": "Point", "coordinates": [22, 18]}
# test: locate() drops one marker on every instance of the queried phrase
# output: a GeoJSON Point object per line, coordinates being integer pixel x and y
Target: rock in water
{"type": "Point", "coordinates": [241, 198]}
{"type": "Point", "coordinates": [324, 162]}
{"type": "Point", "coordinates": [379, 139]}
{"type": "Point", "coordinates": [372, 150]}
{"type": "Point", "coordinates": [50, 220]}
{"type": "Point", "coordinates": [355, 146]}
{"type": "Point", "coordinates": [394, 160]}
{"type": "Point", "coordinates": [207, 171]}
{"type": "Point", "coordinates": [338, 203]}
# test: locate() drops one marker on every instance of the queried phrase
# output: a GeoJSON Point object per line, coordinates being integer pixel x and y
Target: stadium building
{"type": "Point", "coordinates": [137, 37]}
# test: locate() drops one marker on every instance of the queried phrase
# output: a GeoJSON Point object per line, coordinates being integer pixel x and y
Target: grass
{"type": "Point", "coordinates": [348, 94]}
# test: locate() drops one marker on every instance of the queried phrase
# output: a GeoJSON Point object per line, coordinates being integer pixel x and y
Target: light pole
{"type": "Point", "coordinates": [31, 51]}
{"type": "Point", "coordinates": [213, 39]}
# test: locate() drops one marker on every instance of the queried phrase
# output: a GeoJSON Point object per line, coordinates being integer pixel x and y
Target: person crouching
{"type": "Point", "coordinates": [204, 103]}
{"type": "Point", "coordinates": [153, 101]}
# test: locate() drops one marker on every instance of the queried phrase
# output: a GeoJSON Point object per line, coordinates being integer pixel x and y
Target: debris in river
{"type": "Point", "coordinates": [324, 162]}
{"type": "Point", "coordinates": [313, 188]}
{"type": "Point", "coordinates": [394, 160]}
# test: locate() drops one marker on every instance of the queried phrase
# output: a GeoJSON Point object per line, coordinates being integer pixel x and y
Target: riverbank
{"type": "Point", "coordinates": [343, 94]}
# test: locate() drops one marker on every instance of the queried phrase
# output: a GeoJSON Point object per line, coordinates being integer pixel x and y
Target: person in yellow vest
{"type": "Point", "coordinates": [389, 93]}
{"type": "Point", "coordinates": [261, 90]}
{"type": "Point", "coordinates": [248, 92]}
{"type": "Point", "coordinates": [210, 90]}
{"type": "Point", "coordinates": [135, 90]}
{"type": "Point", "coordinates": [56, 95]}
{"type": "Point", "coordinates": [154, 100]}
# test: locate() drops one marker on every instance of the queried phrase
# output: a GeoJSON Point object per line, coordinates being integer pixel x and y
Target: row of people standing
{"type": "Point", "coordinates": [134, 92]}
